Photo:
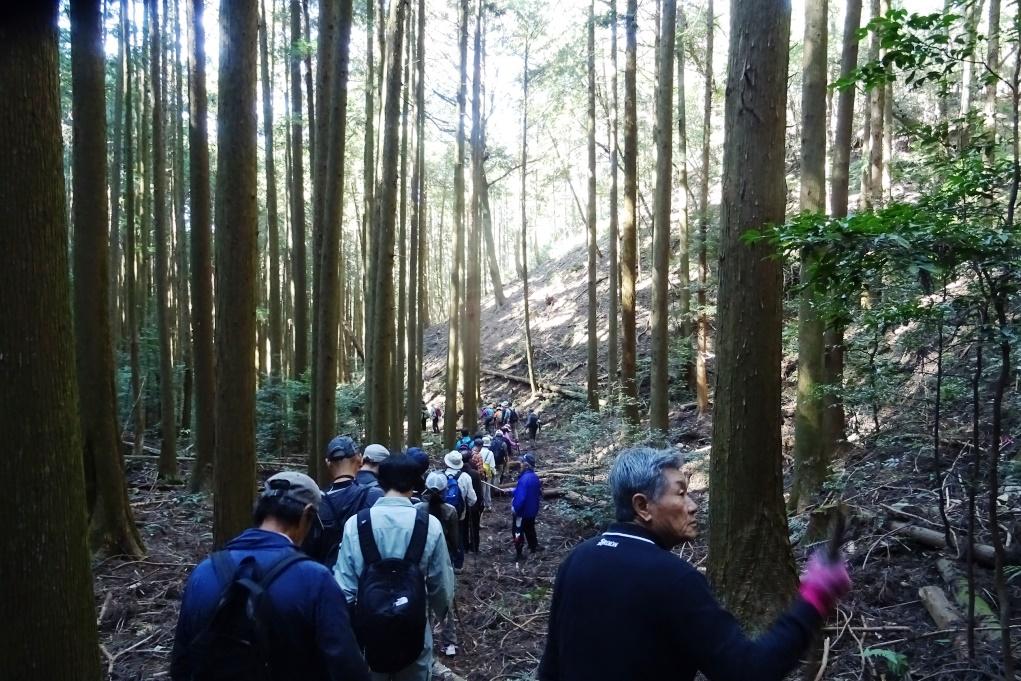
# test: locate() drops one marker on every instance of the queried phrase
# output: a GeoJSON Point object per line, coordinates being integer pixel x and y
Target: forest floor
{"type": "Point", "coordinates": [882, 631]}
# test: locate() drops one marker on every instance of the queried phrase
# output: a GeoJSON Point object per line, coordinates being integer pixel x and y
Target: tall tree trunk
{"type": "Point", "coordinates": [492, 254]}
{"type": "Point", "coordinates": [397, 392]}
{"type": "Point", "coordinates": [181, 254]}
{"type": "Point", "coordinates": [272, 219]}
{"type": "Point", "coordinates": [45, 579]}
{"type": "Point", "coordinates": [683, 249]}
{"type": "Point", "coordinates": [115, 271]}
{"type": "Point", "coordinates": [457, 257]}
{"type": "Point", "coordinates": [299, 228]}
{"type": "Point", "coordinates": [613, 315]}
{"type": "Point", "coordinates": [659, 405]}
{"type": "Point", "coordinates": [833, 414]}
{"type": "Point", "coordinates": [629, 230]}
{"type": "Point", "coordinates": [112, 522]}
{"type": "Point", "coordinates": [237, 221]}
{"type": "Point", "coordinates": [993, 65]}
{"type": "Point", "coordinates": [529, 355]}
{"type": "Point", "coordinates": [810, 461]}
{"type": "Point", "coordinates": [592, 382]}
{"type": "Point", "coordinates": [383, 331]}
{"type": "Point", "coordinates": [750, 556]}
{"type": "Point", "coordinates": [168, 422]}
{"type": "Point", "coordinates": [702, 352]}
{"type": "Point", "coordinates": [328, 301]}
{"type": "Point", "coordinates": [368, 197]}
{"type": "Point", "coordinates": [132, 315]}
{"type": "Point", "coordinates": [873, 170]}
{"type": "Point", "coordinates": [473, 276]}
{"type": "Point", "coordinates": [416, 266]}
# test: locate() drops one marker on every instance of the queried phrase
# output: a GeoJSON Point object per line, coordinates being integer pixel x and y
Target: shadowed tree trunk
{"type": "Point", "coordinates": [114, 289]}
{"type": "Point", "coordinates": [613, 317]}
{"type": "Point", "coordinates": [457, 257]}
{"type": "Point", "coordinates": [810, 462]}
{"type": "Point", "coordinates": [702, 340]}
{"type": "Point", "coordinates": [201, 255]}
{"type": "Point", "coordinates": [750, 559]}
{"type": "Point", "coordinates": [168, 422]}
{"type": "Point", "coordinates": [416, 266]}
{"type": "Point", "coordinates": [473, 276]}
{"type": "Point", "coordinates": [181, 252]}
{"type": "Point", "coordinates": [237, 220]}
{"type": "Point", "coordinates": [45, 580]}
{"type": "Point", "coordinates": [529, 358]}
{"type": "Point", "coordinates": [683, 249]}
{"type": "Point", "coordinates": [272, 219]}
{"type": "Point", "coordinates": [299, 228]}
{"type": "Point", "coordinates": [629, 230]}
{"type": "Point", "coordinates": [659, 398]}
{"type": "Point", "coordinates": [131, 296]}
{"type": "Point", "coordinates": [592, 382]}
{"type": "Point", "coordinates": [397, 392]}
{"type": "Point", "coordinates": [368, 198]}
{"type": "Point", "coordinates": [112, 522]}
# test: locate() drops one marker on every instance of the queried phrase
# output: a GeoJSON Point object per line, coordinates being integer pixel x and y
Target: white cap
{"type": "Point", "coordinates": [375, 453]}
{"type": "Point", "coordinates": [454, 460]}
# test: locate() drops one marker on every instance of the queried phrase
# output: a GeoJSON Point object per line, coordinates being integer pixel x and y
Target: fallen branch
{"type": "Point", "coordinates": [556, 493]}
{"type": "Point", "coordinates": [958, 586]}
{"type": "Point", "coordinates": [984, 554]}
{"type": "Point", "coordinates": [551, 387]}
{"type": "Point", "coordinates": [944, 614]}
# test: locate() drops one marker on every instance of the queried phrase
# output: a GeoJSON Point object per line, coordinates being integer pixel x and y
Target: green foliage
{"type": "Point", "coordinates": [896, 663]}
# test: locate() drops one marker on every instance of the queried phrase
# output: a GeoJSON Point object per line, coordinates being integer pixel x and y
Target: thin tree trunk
{"type": "Point", "coordinates": [529, 354]}
{"type": "Point", "coordinates": [237, 220]}
{"type": "Point", "coordinates": [272, 219]}
{"type": "Point", "coordinates": [659, 398]}
{"type": "Point", "coordinates": [457, 257]}
{"type": "Point", "coordinates": [368, 197]}
{"type": "Point", "coordinates": [701, 371]}
{"type": "Point", "coordinates": [629, 231]}
{"type": "Point", "coordinates": [613, 315]}
{"type": "Point", "coordinates": [113, 529]}
{"type": "Point", "coordinates": [168, 422]}
{"type": "Point", "coordinates": [181, 254]}
{"type": "Point", "coordinates": [114, 286]}
{"type": "Point", "coordinates": [492, 254]}
{"type": "Point", "coordinates": [402, 251]}
{"type": "Point", "coordinates": [750, 559]}
{"type": "Point", "coordinates": [592, 382]}
{"type": "Point", "coordinates": [473, 275]}
{"type": "Point", "coordinates": [810, 461]}
{"type": "Point", "coordinates": [45, 579]}
{"type": "Point", "coordinates": [683, 250]}
{"type": "Point", "coordinates": [416, 265]}
{"type": "Point", "coordinates": [132, 316]}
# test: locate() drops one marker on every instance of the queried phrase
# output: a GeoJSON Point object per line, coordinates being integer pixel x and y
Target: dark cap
{"type": "Point", "coordinates": [529, 458]}
{"type": "Point", "coordinates": [341, 447]}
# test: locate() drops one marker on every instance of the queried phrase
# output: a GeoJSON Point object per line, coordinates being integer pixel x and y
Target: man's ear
{"type": "Point", "coordinates": [640, 504]}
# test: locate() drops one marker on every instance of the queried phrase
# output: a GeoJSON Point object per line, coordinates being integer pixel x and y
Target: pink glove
{"type": "Point", "coordinates": [824, 583]}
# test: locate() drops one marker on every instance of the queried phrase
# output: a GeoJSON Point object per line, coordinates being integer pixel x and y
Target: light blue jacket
{"type": "Point", "coordinates": [393, 519]}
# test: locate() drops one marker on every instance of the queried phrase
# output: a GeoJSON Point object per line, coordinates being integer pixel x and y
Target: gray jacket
{"type": "Point", "coordinates": [393, 519]}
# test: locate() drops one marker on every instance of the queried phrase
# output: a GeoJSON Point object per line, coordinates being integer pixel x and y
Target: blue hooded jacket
{"type": "Point", "coordinates": [527, 495]}
{"type": "Point", "coordinates": [316, 642]}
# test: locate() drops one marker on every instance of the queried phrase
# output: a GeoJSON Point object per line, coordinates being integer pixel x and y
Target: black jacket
{"type": "Point", "coordinates": [626, 608]}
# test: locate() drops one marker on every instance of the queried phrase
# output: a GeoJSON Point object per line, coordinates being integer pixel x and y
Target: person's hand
{"type": "Point", "coordinates": [824, 583]}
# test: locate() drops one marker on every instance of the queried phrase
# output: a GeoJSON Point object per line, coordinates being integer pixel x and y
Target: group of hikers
{"type": "Point", "coordinates": [349, 582]}
{"type": "Point", "coordinates": [493, 419]}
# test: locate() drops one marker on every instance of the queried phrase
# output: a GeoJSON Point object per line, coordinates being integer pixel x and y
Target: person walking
{"type": "Point", "coordinates": [433, 502]}
{"type": "Point", "coordinates": [341, 500]}
{"type": "Point", "coordinates": [671, 624]}
{"type": "Point", "coordinates": [487, 470]}
{"type": "Point", "coordinates": [392, 530]}
{"type": "Point", "coordinates": [261, 582]}
{"type": "Point", "coordinates": [461, 495]}
{"type": "Point", "coordinates": [525, 506]}
{"type": "Point", "coordinates": [472, 468]}
{"type": "Point", "coordinates": [371, 458]}
{"type": "Point", "coordinates": [532, 425]}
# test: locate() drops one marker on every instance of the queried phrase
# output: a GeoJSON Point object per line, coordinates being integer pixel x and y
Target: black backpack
{"type": "Point", "coordinates": [499, 448]}
{"type": "Point", "coordinates": [390, 613]}
{"type": "Point", "coordinates": [323, 543]}
{"type": "Point", "coordinates": [236, 644]}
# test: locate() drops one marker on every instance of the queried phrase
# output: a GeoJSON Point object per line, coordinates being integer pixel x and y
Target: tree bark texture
{"type": "Point", "coordinates": [702, 353]}
{"type": "Point", "coordinates": [131, 269]}
{"type": "Point", "coordinates": [529, 357]}
{"type": "Point", "coordinates": [592, 363]}
{"type": "Point", "coordinates": [112, 522]}
{"type": "Point", "coordinates": [613, 315]}
{"type": "Point", "coordinates": [237, 220]}
{"type": "Point", "coordinates": [114, 286]}
{"type": "Point", "coordinates": [201, 255]}
{"type": "Point", "coordinates": [750, 555]}
{"type": "Point", "coordinates": [810, 461]}
{"type": "Point", "coordinates": [45, 579]}
{"type": "Point", "coordinates": [299, 226]}
{"type": "Point", "coordinates": [629, 229]}
{"type": "Point", "coordinates": [471, 333]}
{"type": "Point", "coordinates": [684, 236]}
{"type": "Point", "coordinates": [272, 219]}
{"type": "Point", "coordinates": [660, 369]}
{"type": "Point", "coordinates": [416, 268]}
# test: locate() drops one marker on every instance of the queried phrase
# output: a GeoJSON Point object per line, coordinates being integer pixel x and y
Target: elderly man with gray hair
{"type": "Point", "coordinates": [625, 607]}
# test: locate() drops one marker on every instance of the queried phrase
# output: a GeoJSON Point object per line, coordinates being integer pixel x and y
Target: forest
{"type": "Point", "coordinates": [778, 238]}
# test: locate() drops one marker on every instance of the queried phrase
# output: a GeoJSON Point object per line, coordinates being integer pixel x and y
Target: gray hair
{"type": "Point", "coordinates": [640, 471]}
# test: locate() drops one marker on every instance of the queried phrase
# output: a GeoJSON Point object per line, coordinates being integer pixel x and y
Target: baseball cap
{"type": "Point", "coordinates": [375, 453]}
{"type": "Point", "coordinates": [436, 481]}
{"type": "Point", "coordinates": [529, 458]}
{"type": "Point", "coordinates": [419, 455]}
{"type": "Point", "coordinates": [341, 447]}
{"type": "Point", "coordinates": [295, 486]}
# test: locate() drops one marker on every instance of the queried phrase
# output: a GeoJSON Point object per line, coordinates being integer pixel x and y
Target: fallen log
{"type": "Point", "coordinates": [958, 586]}
{"type": "Point", "coordinates": [944, 614]}
{"type": "Point", "coordinates": [555, 493]}
{"type": "Point", "coordinates": [551, 387]}
{"type": "Point", "coordinates": [444, 673]}
{"type": "Point", "coordinates": [985, 555]}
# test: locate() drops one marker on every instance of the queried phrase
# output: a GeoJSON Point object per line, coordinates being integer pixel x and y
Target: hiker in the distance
{"type": "Point", "coordinates": [392, 602]}
{"type": "Point", "coordinates": [525, 505]}
{"type": "Point", "coordinates": [436, 414]}
{"type": "Point", "coordinates": [425, 415]}
{"type": "Point", "coordinates": [532, 425]}
{"type": "Point", "coordinates": [674, 625]}
{"type": "Point", "coordinates": [216, 630]}
{"type": "Point", "coordinates": [501, 450]}
{"type": "Point", "coordinates": [433, 501]}
{"type": "Point", "coordinates": [487, 469]}
{"type": "Point", "coordinates": [509, 417]}
{"type": "Point", "coordinates": [512, 442]}
{"type": "Point", "coordinates": [341, 500]}
{"type": "Point", "coordinates": [487, 416]}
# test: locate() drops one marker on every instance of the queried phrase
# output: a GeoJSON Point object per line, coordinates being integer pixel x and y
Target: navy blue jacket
{"type": "Point", "coordinates": [527, 495]}
{"type": "Point", "coordinates": [626, 608]}
{"type": "Point", "coordinates": [312, 634]}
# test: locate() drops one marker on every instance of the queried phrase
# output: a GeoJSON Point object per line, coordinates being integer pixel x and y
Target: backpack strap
{"type": "Point", "coordinates": [416, 547]}
{"type": "Point", "coordinates": [370, 552]}
{"type": "Point", "coordinates": [224, 566]}
{"type": "Point", "coordinates": [278, 568]}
